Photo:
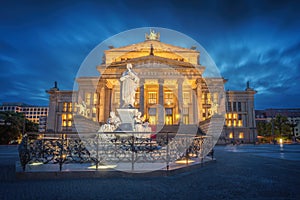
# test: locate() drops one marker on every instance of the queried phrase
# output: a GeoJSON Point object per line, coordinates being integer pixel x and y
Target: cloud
{"type": "Point", "coordinates": [254, 41]}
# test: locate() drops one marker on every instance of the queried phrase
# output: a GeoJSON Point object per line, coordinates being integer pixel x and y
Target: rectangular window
{"type": "Point", "coordinates": [234, 122]}
{"type": "Point", "coordinates": [229, 106]}
{"type": "Point", "coordinates": [240, 123]}
{"type": "Point", "coordinates": [203, 98]}
{"type": "Point", "coordinates": [241, 135]}
{"type": "Point", "coordinates": [239, 106]}
{"type": "Point", "coordinates": [169, 111]}
{"type": "Point", "coordinates": [66, 120]}
{"type": "Point", "coordinates": [95, 99]}
{"type": "Point", "coordinates": [70, 107]}
{"type": "Point", "coordinates": [234, 106]}
{"type": "Point", "coordinates": [152, 120]}
{"type": "Point", "coordinates": [168, 97]}
{"type": "Point", "coordinates": [186, 98]}
{"type": "Point", "coordinates": [234, 116]}
{"type": "Point", "coordinates": [185, 113]}
{"type": "Point", "coordinates": [67, 107]}
{"type": "Point", "coordinates": [152, 97]}
{"type": "Point", "coordinates": [208, 98]}
{"type": "Point", "coordinates": [230, 135]}
{"type": "Point", "coordinates": [185, 119]}
{"type": "Point", "coordinates": [229, 122]}
{"type": "Point", "coordinates": [88, 99]}
{"type": "Point", "coordinates": [216, 97]}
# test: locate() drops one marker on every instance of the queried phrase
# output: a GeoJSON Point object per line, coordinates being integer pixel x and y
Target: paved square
{"type": "Point", "coordinates": [240, 172]}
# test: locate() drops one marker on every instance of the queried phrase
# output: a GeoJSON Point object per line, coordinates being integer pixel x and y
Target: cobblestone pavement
{"type": "Point", "coordinates": [240, 172]}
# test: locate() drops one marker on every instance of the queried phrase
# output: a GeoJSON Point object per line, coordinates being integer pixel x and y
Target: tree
{"type": "Point", "coordinates": [282, 127]}
{"type": "Point", "coordinates": [264, 128]}
{"type": "Point", "coordinates": [12, 124]}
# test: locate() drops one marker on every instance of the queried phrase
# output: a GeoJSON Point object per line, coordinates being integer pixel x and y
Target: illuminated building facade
{"type": "Point", "coordinates": [32, 113]}
{"type": "Point", "coordinates": [240, 123]}
{"type": "Point", "coordinates": [170, 80]}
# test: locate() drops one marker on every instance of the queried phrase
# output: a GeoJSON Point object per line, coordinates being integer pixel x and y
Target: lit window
{"type": "Point", "coordinates": [229, 116]}
{"type": "Point", "coordinates": [208, 98]}
{"type": "Point", "coordinates": [241, 135]}
{"type": "Point", "coordinates": [240, 123]}
{"type": "Point", "coordinates": [69, 123]}
{"type": "Point", "coordinates": [229, 123]}
{"type": "Point", "coordinates": [66, 120]}
{"type": "Point", "coordinates": [186, 98]}
{"type": "Point", "coordinates": [65, 104]}
{"type": "Point", "coordinates": [168, 96]}
{"type": "Point", "coordinates": [88, 98]}
{"type": "Point", "coordinates": [67, 107]}
{"type": "Point", "coordinates": [70, 107]}
{"type": "Point", "coordinates": [152, 97]}
{"type": "Point", "coordinates": [234, 116]}
{"type": "Point", "coordinates": [231, 135]}
{"type": "Point", "coordinates": [95, 100]}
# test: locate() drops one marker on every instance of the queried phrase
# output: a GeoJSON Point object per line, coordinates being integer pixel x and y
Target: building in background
{"type": "Point", "coordinates": [187, 101]}
{"type": "Point", "coordinates": [292, 115]}
{"type": "Point", "coordinates": [32, 113]}
{"type": "Point", "coordinates": [240, 126]}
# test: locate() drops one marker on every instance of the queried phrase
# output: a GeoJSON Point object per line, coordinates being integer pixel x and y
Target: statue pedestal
{"type": "Point", "coordinates": [127, 118]}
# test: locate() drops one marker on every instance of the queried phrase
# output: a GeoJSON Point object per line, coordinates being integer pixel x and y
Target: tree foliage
{"type": "Point", "coordinates": [282, 127]}
{"type": "Point", "coordinates": [280, 124]}
{"type": "Point", "coordinates": [12, 124]}
{"type": "Point", "coordinates": [264, 128]}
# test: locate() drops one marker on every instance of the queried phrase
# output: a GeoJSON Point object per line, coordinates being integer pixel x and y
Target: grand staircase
{"type": "Point", "coordinates": [85, 125]}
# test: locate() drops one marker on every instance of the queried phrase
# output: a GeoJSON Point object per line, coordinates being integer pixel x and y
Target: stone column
{"type": "Point", "coordinates": [101, 102]}
{"type": "Point", "coordinates": [180, 99]}
{"type": "Point", "coordinates": [161, 117]}
{"type": "Point", "coordinates": [199, 98]}
{"type": "Point", "coordinates": [193, 109]}
{"type": "Point", "coordinates": [161, 92]}
{"type": "Point", "coordinates": [121, 93]}
{"type": "Point", "coordinates": [51, 119]}
{"type": "Point", "coordinates": [107, 103]}
{"type": "Point", "coordinates": [142, 99]}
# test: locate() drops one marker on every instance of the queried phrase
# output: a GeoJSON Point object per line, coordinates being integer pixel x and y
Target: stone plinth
{"type": "Point", "coordinates": [127, 118]}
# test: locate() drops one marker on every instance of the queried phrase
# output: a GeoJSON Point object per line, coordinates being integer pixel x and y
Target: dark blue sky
{"type": "Point", "coordinates": [250, 40]}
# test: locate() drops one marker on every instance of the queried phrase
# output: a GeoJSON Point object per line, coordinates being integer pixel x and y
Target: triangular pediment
{"type": "Point", "coordinates": [149, 47]}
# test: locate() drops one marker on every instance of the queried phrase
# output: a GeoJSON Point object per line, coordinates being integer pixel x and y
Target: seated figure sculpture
{"type": "Point", "coordinates": [141, 125]}
{"type": "Point", "coordinates": [112, 124]}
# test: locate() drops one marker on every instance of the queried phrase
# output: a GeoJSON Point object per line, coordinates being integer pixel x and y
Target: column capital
{"type": "Point", "coordinates": [160, 81]}
{"type": "Point", "coordinates": [142, 81]}
{"type": "Point", "coordinates": [180, 81]}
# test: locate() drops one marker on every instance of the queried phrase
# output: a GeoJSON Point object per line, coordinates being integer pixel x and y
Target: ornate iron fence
{"type": "Point", "coordinates": [111, 148]}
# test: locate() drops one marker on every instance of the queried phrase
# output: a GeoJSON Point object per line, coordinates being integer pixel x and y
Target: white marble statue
{"type": "Point", "coordinates": [141, 125]}
{"type": "Point", "coordinates": [130, 82]}
{"type": "Point", "coordinates": [112, 124]}
{"type": "Point", "coordinates": [82, 109]}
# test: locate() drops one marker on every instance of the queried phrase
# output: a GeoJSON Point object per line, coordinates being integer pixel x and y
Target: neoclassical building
{"type": "Point", "coordinates": [172, 91]}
